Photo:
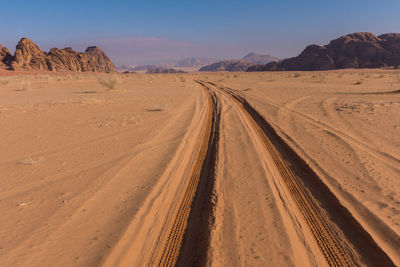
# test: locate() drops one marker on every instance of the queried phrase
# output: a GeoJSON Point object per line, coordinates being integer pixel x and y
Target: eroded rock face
{"type": "Point", "coordinates": [5, 57]}
{"type": "Point", "coordinates": [98, 60]}
{"type": "Point", "coordinates": [28, 56]}
{"type": "Point", "coordinates": [357, 50]}
{"type": "Point", "coordinates": [314, 57]}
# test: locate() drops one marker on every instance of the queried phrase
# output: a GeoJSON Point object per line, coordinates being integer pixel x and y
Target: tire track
{"type": "Point", "coordinates": [202, 169]}
{"type": "Point", "coordinates": [384, 157]}
{"type": "Point", "coordinates": [313, 199]}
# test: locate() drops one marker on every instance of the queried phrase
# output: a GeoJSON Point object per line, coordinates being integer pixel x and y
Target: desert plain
{"type": "Point", "coordinates": [93, 168]}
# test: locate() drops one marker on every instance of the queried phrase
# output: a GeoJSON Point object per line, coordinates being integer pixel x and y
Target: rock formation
{"type": "Point", "coordinates": [194, 62]}
{"type": "Point", "coordinates": [357, 50]}
{"type": "Point", "coordinates": [5, 57]}
{"type": "Point", "coordinates": [228, 65]}
{"type": "Point", "coordinates": [259, 59]}
{"type": "Point", "coordinates": [165, 70]}
{"type": "Point", "coordinates": [29, 57]}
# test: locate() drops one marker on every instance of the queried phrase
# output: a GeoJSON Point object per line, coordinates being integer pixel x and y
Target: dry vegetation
{"type": "Point", "coordinates": [109, 82]}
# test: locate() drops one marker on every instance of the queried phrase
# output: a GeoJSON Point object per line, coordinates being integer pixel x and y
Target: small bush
{"type": "Point", "coordinates": [25, 85]}
{"type": "Point", "coordinates": [4, 82]}
{"type": "Point", "coordinates": [296, 75]}
{"type": "Point", "coordinates": [109, 82]}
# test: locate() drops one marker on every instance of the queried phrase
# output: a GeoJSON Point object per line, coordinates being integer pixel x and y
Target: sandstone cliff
{"type": "Point", "coordinates": [357, 50]}
{"type": "Point", "coordinates": [28, 56]}
{"type": "Point", "coordinates": [5, 57]}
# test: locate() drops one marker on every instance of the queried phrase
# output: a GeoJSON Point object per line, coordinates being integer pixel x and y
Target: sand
{"type": "Point", "coordinates": [77, 162]}
{"type": "Point", "coordinates": [91, 176]}
{"type": "Point", "coordinates": [345, 124]}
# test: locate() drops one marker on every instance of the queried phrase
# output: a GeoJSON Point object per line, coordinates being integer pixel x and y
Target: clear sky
{"type": "Point", "coordinates": [133, 32]}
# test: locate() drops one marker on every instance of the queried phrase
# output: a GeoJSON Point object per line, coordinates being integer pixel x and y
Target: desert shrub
{"type": "Point", "coordinates": [296, 75]}
{"type": "Point", "coordinates": [25, 85]}
{"type": "Point", "coordinates": [109, 82]}
{"type": "Point", "coordinates": [4, 82]}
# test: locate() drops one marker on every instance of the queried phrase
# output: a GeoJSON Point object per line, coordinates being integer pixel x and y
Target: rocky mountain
{"type": "Point", "coordinates": [29, 57]}
{"type": "Point", "coordinates": [165, 70]}
{"type": "Point", "coordinates": [145, 67]}
{"type": "Point", "coordinates": [228, 65]}
{"type": "Point", "coordinates": [259, 59]}
{"type": "Point", "coordinates": [194, 62]}
{"type": "Point", "coordinates": [356, 50]}
{"type": "Point", "coordinates": [191, 62]}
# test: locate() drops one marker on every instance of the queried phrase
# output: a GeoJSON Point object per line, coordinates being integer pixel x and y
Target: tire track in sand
{"type": "Point", "coordinates": [202, 169]}
{"type": "Point", "coordinates": [155, 235]}
{"type": "Point", "coordinates": [334, 248]}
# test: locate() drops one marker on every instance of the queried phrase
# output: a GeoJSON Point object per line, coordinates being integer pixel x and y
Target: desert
{"type": "Point", "coordinates": [200, 134]}
{"type": "Point", "coordinates": [87, 170]}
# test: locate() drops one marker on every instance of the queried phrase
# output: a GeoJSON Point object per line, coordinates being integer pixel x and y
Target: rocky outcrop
{"type": "Point", "coordinates": [28, 56]}
{"type": "Point", "coordinates": [165, 70]}
{"type": "Point", "coordinates": [259, 59]}
{"type": "Point", "coordinates": [272, 66]}
{"type": "Point", "coordinates": [99, 60]}
{"type": "Point", "coordinates": [357, 50]}
{"type": "Point", "coordinates": [5, 57]}
{"type": "Point", "coordinates": [228, 65]}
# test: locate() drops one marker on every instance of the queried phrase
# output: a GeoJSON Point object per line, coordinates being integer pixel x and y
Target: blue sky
{"type": "Point", "coordinates": [133, 32]}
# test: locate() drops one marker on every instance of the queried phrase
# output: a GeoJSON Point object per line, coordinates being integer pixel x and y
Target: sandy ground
{"type": "Point", "coordinates": [89, 175]}
{"type": "Point", "coordinates": [346, 125]}
{"type": "Point", "coordinates": [77, 162]}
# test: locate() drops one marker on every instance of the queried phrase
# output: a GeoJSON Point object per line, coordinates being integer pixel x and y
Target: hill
{"type": "Point", "coordinates": [228, 65]}
{"type": "Point", "coordinates": [259, 59]}
{"type": "Point", "coordinates": [29, 57]}
{"type": "Point", "coordinates": [356, 50]}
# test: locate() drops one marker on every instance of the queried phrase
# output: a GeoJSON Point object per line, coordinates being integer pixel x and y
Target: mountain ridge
{"type": "Point", "coordinates": [355, 50]}
{"type": "Point", "coordinates": [29, 57]}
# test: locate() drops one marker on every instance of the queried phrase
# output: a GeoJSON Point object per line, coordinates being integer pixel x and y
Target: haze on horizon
{"type": "Point", "coordinates": [135, 32]}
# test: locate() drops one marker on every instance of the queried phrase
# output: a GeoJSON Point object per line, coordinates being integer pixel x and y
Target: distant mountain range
{"type": "Point", "coordinates": [242, 64]}
{"type": "Point", "coordinates": [208, 63]}
{"type": "Point", "coordinates": [178, 63]}
{"type": "Point", "coordinates": [259, 59]}
{"type": "Point", "coordinates": [228, 65]}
